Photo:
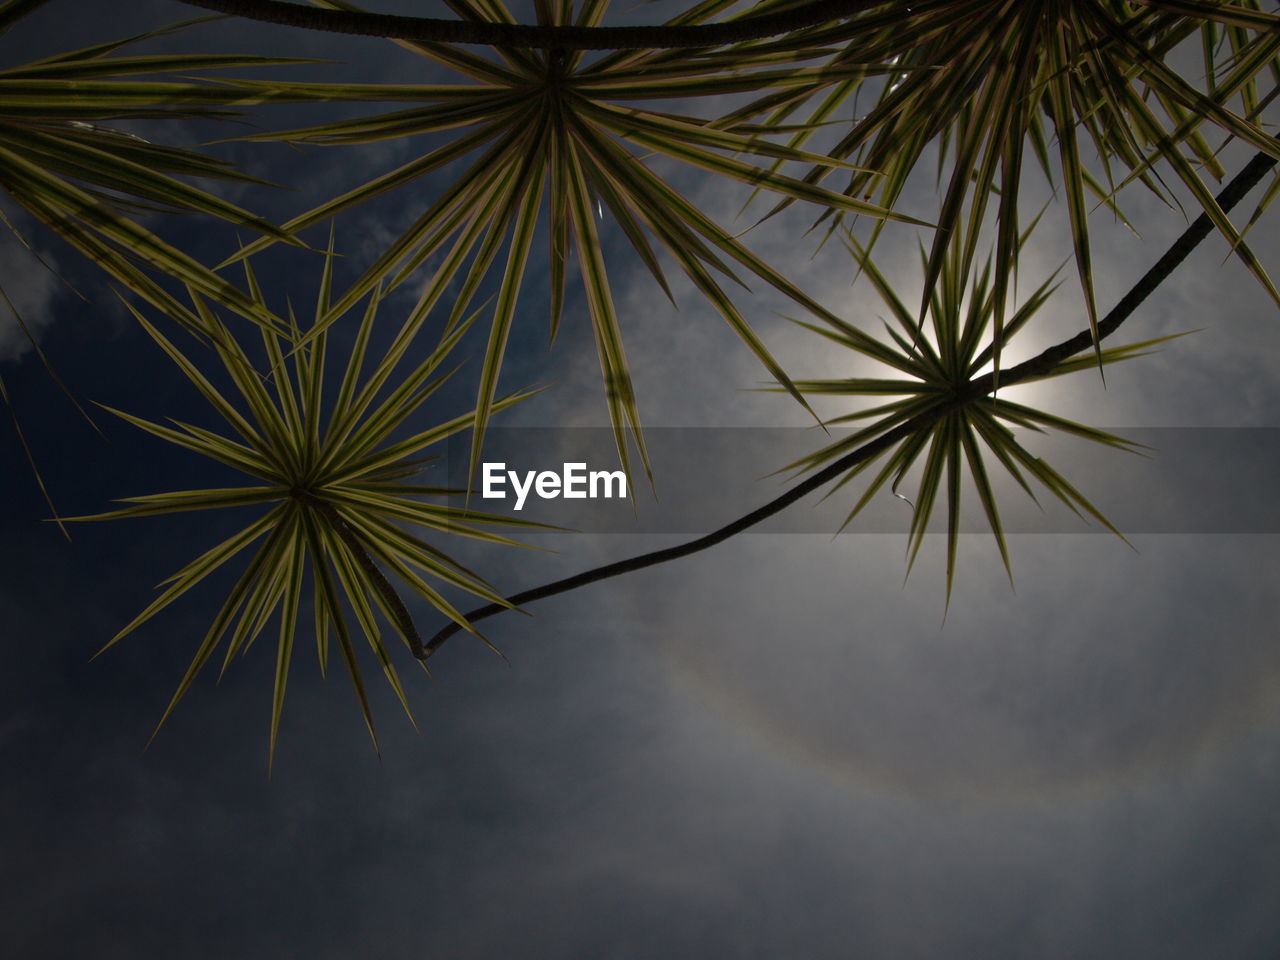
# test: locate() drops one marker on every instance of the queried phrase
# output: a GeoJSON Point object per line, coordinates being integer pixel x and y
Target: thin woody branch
{"type": "Point", "coordinates": [430, 30]}
{"type": "Point", "coordinates": [1037, 366]}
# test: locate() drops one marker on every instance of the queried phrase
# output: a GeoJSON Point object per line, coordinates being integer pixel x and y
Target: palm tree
{"type": "Point", "coordinates": [550, 128]}
{"type": "Point", "coordinates": [544, 131]}
{"type": "Point", "coordinates": [337, 483]}
{"type": "Point", "coordinates": [976, 82]}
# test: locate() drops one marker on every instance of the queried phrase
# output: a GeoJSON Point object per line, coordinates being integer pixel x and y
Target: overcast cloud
{"type": "Point", "coordinates": [773, 749]}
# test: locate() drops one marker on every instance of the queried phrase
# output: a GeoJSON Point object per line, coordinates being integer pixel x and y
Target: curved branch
{"type": "Point", "coordinates": [425, 29]}
{"type": "Point", "coordinates": [1037, 366]}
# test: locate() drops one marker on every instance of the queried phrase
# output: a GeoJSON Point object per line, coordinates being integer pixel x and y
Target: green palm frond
{"type": "Point", "coordinates": [554, 134]}
{"type": "Point", "coordinates": [333, 475]}
{"type": "Point", "coordinates": [936, 366]}
{"type": "Point", "coordinates": [981, 83]}
{"type": "Point", "coordinates": [65, 161]}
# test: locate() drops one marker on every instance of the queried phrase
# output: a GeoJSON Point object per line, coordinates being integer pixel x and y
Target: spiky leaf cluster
{"type": "Point", "coordinates": [65, 159]}
{"type": "Point", "coordinates": [336, 478]}
{"type": "Point", "coordinates": [554, 135]}
{"type": "Point", "coordinates": [993, 87]}
{"type": "Point", "coordinates": [939, 357]}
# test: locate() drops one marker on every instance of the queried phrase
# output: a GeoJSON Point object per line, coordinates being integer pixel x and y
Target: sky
{"type": "Point", "coordinates": [774, 748]}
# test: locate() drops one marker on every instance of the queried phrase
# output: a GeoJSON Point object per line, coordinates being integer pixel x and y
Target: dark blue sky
{"type": "Point", "coordinates": [772, 749]}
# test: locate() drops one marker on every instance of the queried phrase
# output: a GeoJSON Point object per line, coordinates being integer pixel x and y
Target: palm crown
{"type": "Point", "coordinates": [337, 479]}
{"type": "Point", "coordinates": [983, 83]}
{"type": "Point", "coordinates": [552, 134]}
{"type": "Point", "coordinates": [937, 367]}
